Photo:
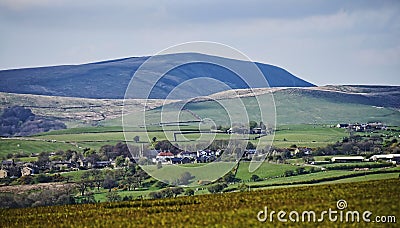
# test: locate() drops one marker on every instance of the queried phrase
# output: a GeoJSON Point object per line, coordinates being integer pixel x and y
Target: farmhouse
{"type": "Point", "coordinates": [61, 165]}
{"type": "Point", "coordinates": [187, 154]}
{"type": "Point", "coordinates": [258, 130]}
{"type": "Point", "coordinates": [164, 157]}
{"type": "Point", "coordinates": [348, 159]}
{"type": "Point", "coordinates": [394, 158]}
{"type": "Point", "coordinates": [342, 125]}
{"type": "Point", "coordinates": [3, 173]}
{"type": "Point", "coordinates": [26, 171]}
{"type": "Point", "coordinates": [363, 127]}
{"type": "Point", "coordinates": [101, 164]}
{"type": "Point", "coordinates": [7, 164]}
{"type": "Point", "coordinates": [177, 160]}
{"type": "Point", "coordinates": [249, 154]}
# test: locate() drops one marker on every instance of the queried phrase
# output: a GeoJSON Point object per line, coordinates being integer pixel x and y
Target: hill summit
{"type": "Point", "coordinates": [109, 79]}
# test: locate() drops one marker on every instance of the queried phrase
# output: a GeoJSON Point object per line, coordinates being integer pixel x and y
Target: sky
{"type": "Point", "coordinates": [323, 42]}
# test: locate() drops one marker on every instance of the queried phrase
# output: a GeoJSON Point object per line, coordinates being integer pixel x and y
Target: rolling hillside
{"type": "Point", "coordinates": [320, 105]}
{"type": "Point", "coordinates": [109, 79]}
{"type": "Point", "coordinates": [328, 104]}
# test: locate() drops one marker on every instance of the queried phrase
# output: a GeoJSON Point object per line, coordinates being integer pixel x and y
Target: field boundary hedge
{"type": "Point", "coordinates": [315, 181]}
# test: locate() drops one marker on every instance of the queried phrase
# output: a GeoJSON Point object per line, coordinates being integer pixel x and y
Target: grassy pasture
{"type": "Point", "coordinates": [94, 137]}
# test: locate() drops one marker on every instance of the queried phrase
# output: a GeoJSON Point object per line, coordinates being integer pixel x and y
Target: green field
{"type": "Point", "coordinates": [266, 170]}
{"type": "Point", "coordinates": [230, 209]}
{"type": "Point", "coordinates": [94, 137]}
{"type": "Point", "coordinates": [30, 145]}
{"type": "Point", "coordinates": [370, 177]}
{"type": "Point", "coordinates": [307, 135]}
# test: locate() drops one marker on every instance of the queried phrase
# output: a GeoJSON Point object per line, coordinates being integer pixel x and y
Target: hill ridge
{"type": "Point", "coordinates": [108, 79]}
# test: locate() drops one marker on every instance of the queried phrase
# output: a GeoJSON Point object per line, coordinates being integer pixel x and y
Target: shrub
{"type": "Point", "coordinates": [216, 188]}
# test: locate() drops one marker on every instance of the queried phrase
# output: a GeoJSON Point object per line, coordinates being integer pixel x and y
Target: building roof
{"type": "Point", "coordinates": [7, 162]}
{"type": "Point", "coordinates": [165, 154]}
{"type": "Point", "coordinates": [387, 156]}
{"type": "Point", "coordinates": [349, 158]}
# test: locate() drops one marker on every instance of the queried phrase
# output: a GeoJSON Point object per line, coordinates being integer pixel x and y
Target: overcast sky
{"type": "Point", "coordinates": [324, 42]}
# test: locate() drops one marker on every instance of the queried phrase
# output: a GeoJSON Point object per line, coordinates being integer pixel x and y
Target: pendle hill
{"type": "Point", "coordinates": [109, 79]}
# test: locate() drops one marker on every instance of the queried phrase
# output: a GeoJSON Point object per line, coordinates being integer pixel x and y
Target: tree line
{"type": "Point", "coordinates": [20, 121]}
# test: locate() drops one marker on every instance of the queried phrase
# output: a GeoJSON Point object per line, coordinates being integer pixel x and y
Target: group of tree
{"type": "Point", "coordinates": [108, 152]}
{"type": "Point", "coordinates": [356, 145]}
{"type": "Point", "coordinates": [20, 121]}
{"type": "Point", "coordinates": [300, 171]}
{"type": "Point", "coordinates": [128, 178]}
{"type": "Point", "coordinates": [169, 192]}
{"type": "Point", "coordinates": [166, 145]}
{"type": "Point", "coordinates": [217, 188]}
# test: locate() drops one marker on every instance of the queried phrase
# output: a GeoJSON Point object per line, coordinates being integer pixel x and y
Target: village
{"type": "Point", "coordinates": [15, 169]}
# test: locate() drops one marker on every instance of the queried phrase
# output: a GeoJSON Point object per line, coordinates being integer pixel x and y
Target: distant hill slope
{"type": "Point", "coordinates": [109, 79]}
{"type": "Point", "coordinates": [327, 104]}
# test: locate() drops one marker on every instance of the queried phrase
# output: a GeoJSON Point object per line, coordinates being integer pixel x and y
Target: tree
{"type": "Point", "coordinates": [252, 124]}
{"type": "Point", "coordinates": [119, 161]}
{"type": "Point", "coordinates": [255, 177]}
{"type": "Point", "coordinates": [250, 146]}
{"type": "Point", "coordinates": [189, 192]}
{"type": "Point", "coordinates": [43, 178]}
{"type": "Point", "coordinates": [113, 196]}
{"type": "Point", "coordinates": [136, 139]}
{"type": "Point", "coordinates": [65, 199]}
{"type": "Point", "coordinates": [155, 195]}
{"type": "Point", "coordinates": [92, 156]}
{"type": "Point", "coordinates": [177, 191]}
{"type": "Point", "coordinates": [133, 182]}
{"type": "Point", "coordinates": [229, 178]}
{"type": "Point", "coordinates": [141, 175]}
{"type": "Point", "coordinates": [89, 198]}
{"type": "Point", "coordinates": [216, 188]}
{"type": "Point", "coordinates": [84, 183]}
{"type": "Point", "coordinates": [185, 178]}
{"type": "Point", "coordinates": [43, 160]}
{"type": "Point", "coordinates": [262, 126]}
{"type": "Point", "coordinates": [106, 151]}
{"type": "Point", "coordinates": [159, 165]}
{"type": "Point", "coordinates": [167, 193]}
{"type": "Point", "coordinates": [109, 183]}
{"type": "Point", "coordinates": [121, 148]}
{"type": "Point", "coordinates": [67, 155]}
{"type": "Point", "coordinates": [97, 177]}
{"type": "Point", "coordinates": [300, 170]}
{"type": "Point", "coordinates": [26, 180]}
{"type": "Point", "coordinates": [166, 145]}
{"type": "Point", "coordinates": [289, 173]}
